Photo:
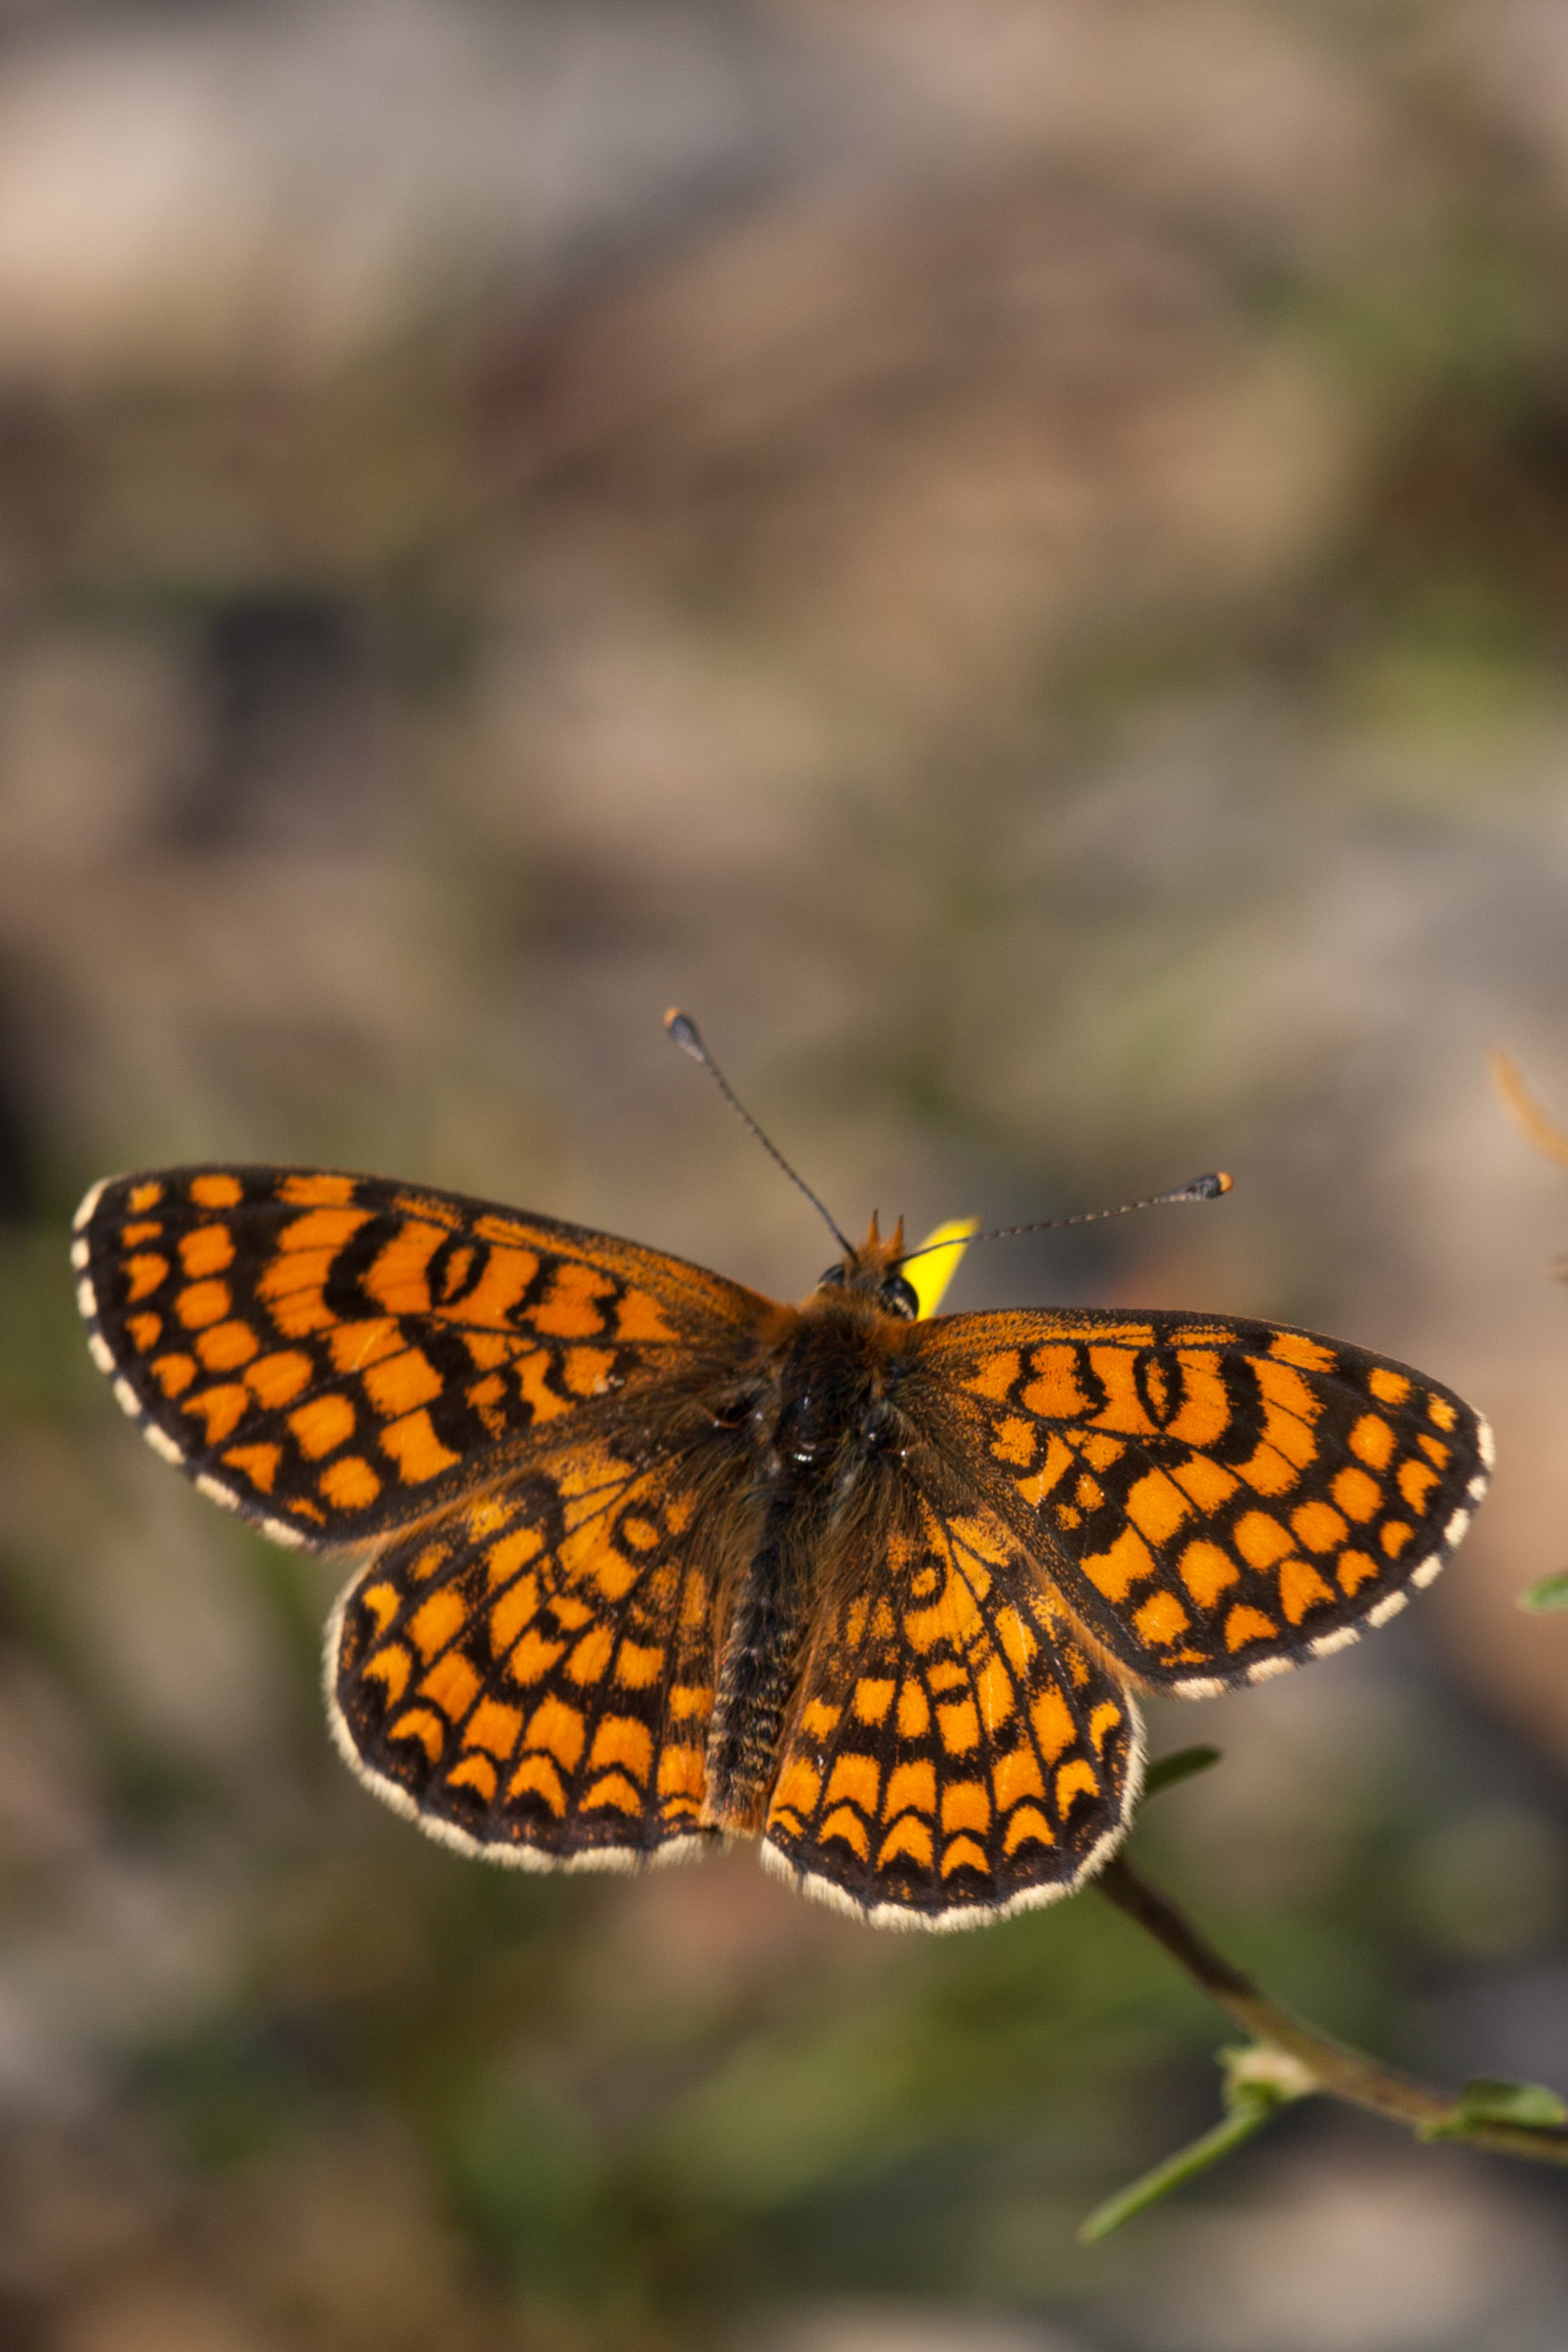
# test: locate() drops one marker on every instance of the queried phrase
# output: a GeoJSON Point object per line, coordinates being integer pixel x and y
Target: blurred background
{"type": "Point", "coordinates": [1013, 556]}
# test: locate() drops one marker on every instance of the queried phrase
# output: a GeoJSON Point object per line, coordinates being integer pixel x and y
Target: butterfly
{"type": "Point", "coordinates": [646, 1560]}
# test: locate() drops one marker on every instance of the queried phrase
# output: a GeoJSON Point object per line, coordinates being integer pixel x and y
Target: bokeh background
{"type": "Point", "coordinates": [1013, 556]}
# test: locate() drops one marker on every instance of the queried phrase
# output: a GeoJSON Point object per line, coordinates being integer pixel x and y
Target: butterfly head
{"type": "Point", "coordinates": [870, 1275]}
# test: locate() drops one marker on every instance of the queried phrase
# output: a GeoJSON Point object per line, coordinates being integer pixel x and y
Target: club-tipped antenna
{"type": "Point", "coordinates": [1202, 1188]}
{"type": "Point", "coordinates": [686, 1035]}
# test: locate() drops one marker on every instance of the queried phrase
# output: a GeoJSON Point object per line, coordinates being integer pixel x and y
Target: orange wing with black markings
{"type": "Point", "coordinates": [336, 1355]}
{"type": "Point", "coordinates": [958, 1751]}
{"type": "Point", "coordinates": [1217, 1498]}
{"type": "Point", "coordinates": [530, 1675]}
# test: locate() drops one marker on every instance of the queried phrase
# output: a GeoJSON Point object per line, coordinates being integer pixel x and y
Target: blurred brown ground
{"type": "Point", "coordinates": [1014, 557]}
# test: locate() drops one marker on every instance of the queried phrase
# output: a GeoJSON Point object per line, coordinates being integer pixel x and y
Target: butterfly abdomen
{"type": "Point", "coordinates": [824, 1419]}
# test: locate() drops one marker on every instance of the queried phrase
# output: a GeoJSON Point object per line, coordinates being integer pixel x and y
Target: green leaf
{"type": "Point", "coordinates": [1485, 2101]}
{"type": "Point", "coordinates": [1551, 1593]}
{"type": "Point", "coordinates": [1167, 1770]}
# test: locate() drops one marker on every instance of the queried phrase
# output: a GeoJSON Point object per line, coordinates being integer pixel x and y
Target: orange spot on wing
{"type": "Point", "coordinates": [144, 1196]}
{"type": "Point", "coordinates": [1414, 1481]}
{"type": "Point", "coordinates": [532, 1658]}
{"type": "Point", "coordinates": [961, 1853]}
{"type": "Point", "coordinates": [216, 1190]}
{"type": "Point", "coordinates": [207, 1250]}
{"type": "Point", "coordinates": [203, 1303]}
{"type": "Point", "coordinates": [399, 1383]}
{"type": "Point", "coordinates": [219, 1410]}
{"type": "Point", "coordinates": [1294, 1347]}
{"type": "Point", "coordinates": [995, 1375]}
{"type": "Point", "coordinates": [1319, 1526]}
{"type": "Point", "coordinates": [872, 1697]}
{"type": "Point", "coordinates": [312, 1188]}
{"type": "Point", "coordinates": [1027, 1823]}
{"type": "Point", "coordinates": [1354, 1568]}
{"type": "Point", "coordinates": [350, 1484]}
{"type": "Point", "coordinates": [273, 1379]}
{"type": "Point", "coordinates": [452, 1683]}
{"type": "Point", "coordinates": [380, 1600]}
{"type": "Point", "coordinates": [1206, 1571]}
{"type": "Point", "coordinates": [1205, 1410]}
{"type": "Point", "coordinates": [855, 1778]}
{"type": "Point", "coordinates": [227, 1345]}
{"type": "Point", "coordinates": [1357, 1495]}
{"type": "Point", "coordinates": [910, 1788]}
{"type": "Point", "coordinates": [494, 1728]}
{"type": "Point", "coordinates": [1053, 1393]}
{"type": "Point", "coordinates": [1161, 1620]}
{"type": "Point", "coordinates": [559, 1728]}
{"type": "Point", "coordinates": [966, 1806]}
{"type": "Point", "coordinates": [322, 1424]}
{"type": "Point", "coordinates": [416, 1449]}
{"type": "Point", "coordinates": [1372, 1441]}
{"type": "Point", "coordinates": [1301, 1587]}
{"type": "Point", "coordinates": [571, 1310]}
{"type": "Point", "coordinates": [844, 1822]}
{"type": "Point", "coordinates": [914, 1711]}
{"type": "Point", "coordinates": [1016, 1774]}
{"type": "Point", "coordinates": [638, 1664]}
{"type": "Point", "coordinates": [959, 1727]}
{"type": "Point", "coordinates": [1076, 1778]}
{"type": "Point", "coordinates": [1388, 1387]}
{"type": "Point", "coordinates": [683, 1772]}
{"type": "Point", "coordinates": [622, 1741]}
{"type": "Point", "coordinates": [392, 1665]}
{"type": "Point", "coordinates": [398, 1279]}
{"type": "Point", "coordinates": [1157, 1506]}
{"type": "Point", "coordinates": [798, 1787]}
{"type": "Point", "coordinates": [419, 1723]}
{"type": "Point", "coordinates": [174, 1373]}
{"type": "Point", "coordinates": [1116, 1571]}
{"type": "Point", "coordinates": [908, 1837]}
{"type": "Point", "coordinates": [617, 1791]}
{"type": "Point", "coordinates": [1054, 1725]}
{"type": "Point", "coordinates": [1261, 1539]}
{"type": "Point", "coordinates": [144, 1273]}
{"type": "Point", "coordinates": [437, 1621]}
{"type": "Point", "coordinates": [537, 1776]}
{"type": "Point", "coordinates": [474, 1772]}
{"type": "Point", "coordinates": [258, 1463]}
{"type": "Point", "coordinates": [1244, 1624]}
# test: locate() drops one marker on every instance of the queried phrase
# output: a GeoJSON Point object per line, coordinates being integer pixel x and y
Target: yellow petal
{"type": "Point", "coordinates": [930, 1276]}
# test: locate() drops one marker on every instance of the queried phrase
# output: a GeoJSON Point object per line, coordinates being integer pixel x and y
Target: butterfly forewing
{"type": "Point", "coordinates": [958, 1749]}
{"type": "Point", "coordinates": [1217, 1498]}
{"type": "Point", "coordinates": [336, 1355]}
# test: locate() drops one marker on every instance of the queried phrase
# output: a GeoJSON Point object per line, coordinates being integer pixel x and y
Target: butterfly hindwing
{"type": "Point", "coordinates": [956, 1752]}
{"type": "Point", "coordinates": [531, 1674]}
{"type": "Point", "coordinates": [336, 1355]}
{"type": "Point", "coordinates": [1218, 1499]}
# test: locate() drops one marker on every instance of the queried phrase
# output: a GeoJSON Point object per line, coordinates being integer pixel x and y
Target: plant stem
{"type": "Point", "coordinates": [1336, 2068]}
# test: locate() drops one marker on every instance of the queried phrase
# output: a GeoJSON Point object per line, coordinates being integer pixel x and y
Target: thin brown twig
{"type": "Point", "coordinates": [1336, 2068]}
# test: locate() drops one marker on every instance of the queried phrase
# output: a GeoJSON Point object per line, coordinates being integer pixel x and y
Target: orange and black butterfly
{"type": "Point", "coordinates": [646, 1559]}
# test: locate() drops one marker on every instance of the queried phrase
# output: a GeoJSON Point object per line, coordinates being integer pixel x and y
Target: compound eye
{"type": "Point", "coordinates": [898, 1296]}
{"type": "Point", "coordinates": [833, 1278]}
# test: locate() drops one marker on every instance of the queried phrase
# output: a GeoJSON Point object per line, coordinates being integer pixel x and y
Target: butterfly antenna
{"type": "Point", "coordinates": [686, 1035]}
{"type": "Point", "coordinates": [1201, 1188]}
